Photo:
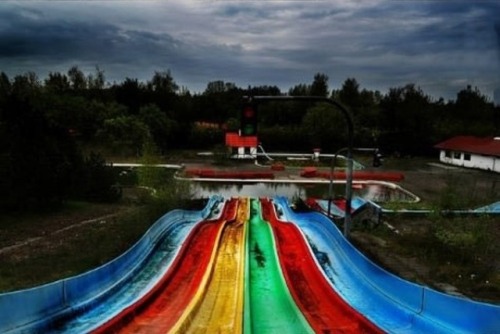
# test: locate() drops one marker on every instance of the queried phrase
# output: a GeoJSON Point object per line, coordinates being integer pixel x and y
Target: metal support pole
{"type": "Point", "coordinates": [350, 134]}
{"type": "Point", "coordinates": [332, 171]}
{"type": "Point", "coordinates": [330, 185]}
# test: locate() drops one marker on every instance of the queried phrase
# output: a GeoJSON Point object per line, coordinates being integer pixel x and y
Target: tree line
{"type": "Point", "coordinates": [46, 124]}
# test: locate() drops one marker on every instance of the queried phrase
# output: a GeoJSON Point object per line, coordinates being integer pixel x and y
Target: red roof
{"type": "Point", "coordinates": [470, 144]}
{"type": "Point", "coordinates": [233, 139]}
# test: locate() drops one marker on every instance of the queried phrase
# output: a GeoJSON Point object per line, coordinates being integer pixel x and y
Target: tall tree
{"type": "Point", "coordinates": [406, 120]}
{"type": "Point", "coordinates": [473, 113]}
{"type": "Point", "coordinates": [57, 82]}
{"type": "Point", "coordinates": [325, 127]}
{"type": "Point", "coordinates": [77, 79]}
{"type": "Point", "coordinates": [319, 87]}
{"type": "Point", "coordinates": [349, 94]}
{"type": "Point", "coordinates": [96, 81]}
{"type": "Point", "coordinates": [42, 158]}
{"type": "Point", "coordinates": [160, 126]}
{"type": "Point", "coordinates": [163, 82]}
{"type": "Point", "coordinates": [124, 134]}
{"type": "Point", "coordinates": [5, 87]}
{"type": "Point", "coordinates": [131, 94]}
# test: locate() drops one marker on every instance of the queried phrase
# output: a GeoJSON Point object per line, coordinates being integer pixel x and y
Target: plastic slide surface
{"type": "Point", "coordinates": [270, 307]}
{"type": "Point", "coordinates": [391, 303]}
{"type": "Point", "coordinates": [163, 305]}
{"type": "Point", "coordinates": [325, 310]}
{"type": "Point", "coordinates": [218, 305]}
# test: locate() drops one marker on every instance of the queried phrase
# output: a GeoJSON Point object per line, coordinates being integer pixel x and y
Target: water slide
{"type": "Point", "coordinates": [160, 309]}
{"type": "Point", "coordinates": [391, 303]}
{"type": "Point", "coordinates": [269, 307]}
{"type": "Point", "coordinates": [218, 305]}
{"type": "Point", "coordinates": [80, 303]}
{"type": "Point", "coordinates": [242, 265]}
{"type": "Point", "coordinates": [324, 309]}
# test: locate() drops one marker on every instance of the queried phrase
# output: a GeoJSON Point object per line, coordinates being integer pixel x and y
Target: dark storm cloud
{"type": "Point", "coordinates": [45, 41]}
{"type": "Point", "coordinates": [439, 45]}
{"type": "Point", "coordinates": [78, 40]}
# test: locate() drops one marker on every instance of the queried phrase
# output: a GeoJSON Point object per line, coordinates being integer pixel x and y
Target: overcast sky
{"type": "Point", "coordinates": [440, 45]}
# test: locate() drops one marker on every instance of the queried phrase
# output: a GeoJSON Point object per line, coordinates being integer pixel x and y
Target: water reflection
{"type": "Point", "coordinates": [382, 192]}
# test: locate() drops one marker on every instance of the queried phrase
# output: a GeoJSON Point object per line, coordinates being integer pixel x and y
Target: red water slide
{"type": "Point", "coordinates": [159, 309]}
{"type": "Point", "coordinates": [323, 308]}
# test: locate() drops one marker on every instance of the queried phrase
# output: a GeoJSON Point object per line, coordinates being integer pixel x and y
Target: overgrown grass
{"type": "Point", "coordinates": [52, 256]}
{"type": "Point", "coordinates": [459, 250]}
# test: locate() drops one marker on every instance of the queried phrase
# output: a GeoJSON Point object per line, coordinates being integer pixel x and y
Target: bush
{"type": "Point", "coordinates": [99, 180]}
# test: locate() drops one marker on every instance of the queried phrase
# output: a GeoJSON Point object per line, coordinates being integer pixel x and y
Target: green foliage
{"type": "Point", "coordinates": [37, 158]}
{"type": "Point", "coordinates": [286, 138]}
{"type": "Point", "coordinates": [204, 138]}
{"type": "Point", "coordinates": [324, 126]}
{"type": "Point", "coordinates": [465, 240]}
{"type": "Point", "coordinates": [124, 134]}
{"type": "Point", "coordinates": [165, 192]}
{"type": "Point", "coordinates": [42, 122]}
{"type": "Point", "coordinates": [99, 180]}
{"type": "Point", "coordinates": [151, 176]}
{"type": "Point", "coordinates": [232, 124]}
{"type": "Point", "coordinates": [160, 126]}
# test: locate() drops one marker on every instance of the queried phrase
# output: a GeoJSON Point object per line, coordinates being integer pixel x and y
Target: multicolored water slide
{"type": "Point", "coordinates": [214, 301]}
{"type": "Point", "coordinates": [324, 309]}
{"type": "Point", "coordinates": [252, 266]}
{"type": "Point", "coordinates": [180, 289]}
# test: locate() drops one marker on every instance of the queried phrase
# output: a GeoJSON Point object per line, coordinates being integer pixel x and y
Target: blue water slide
{"type": "Point", "coordinates": [491, 208]}
{"type": "Point", "coordinates": [394, 304]}
{"type": "Point", "coordinates": [356, 203]}
{"type": "Point", "coordinates": [78, 299]}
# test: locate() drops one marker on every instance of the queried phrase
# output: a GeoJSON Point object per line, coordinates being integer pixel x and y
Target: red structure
{"type": "Point", "coordinates": [357, 175]}
{"type": "Point", "coordinates": [479, 145]}
{"type": "Point", "coordinates": [208, 173]}
{"type": "Point", "coordinates": [242, 147]}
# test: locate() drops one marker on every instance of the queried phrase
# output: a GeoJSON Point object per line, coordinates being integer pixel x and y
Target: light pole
{"type": "Point", "coordinates": [330, 185]}
{"type": "Point", "coordinates": [350, 135]}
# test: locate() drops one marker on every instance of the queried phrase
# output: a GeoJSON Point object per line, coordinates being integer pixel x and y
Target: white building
{"type": "Point", "coordinates": [471, 152]}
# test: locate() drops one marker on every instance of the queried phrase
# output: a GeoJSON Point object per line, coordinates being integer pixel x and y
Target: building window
{"type": "Point", "coordinates": [467, 156]}
{"type": "Point", "coordinates": [456, 155]}
{"type": "Point", "coordinates": [447, 154]}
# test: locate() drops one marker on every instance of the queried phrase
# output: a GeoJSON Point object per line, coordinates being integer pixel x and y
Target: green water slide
{"type": "Point", "coordinates": [269, 307]}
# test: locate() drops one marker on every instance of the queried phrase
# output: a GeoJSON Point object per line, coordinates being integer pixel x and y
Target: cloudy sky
{"type": "Point", "coordinates": [440, 45]}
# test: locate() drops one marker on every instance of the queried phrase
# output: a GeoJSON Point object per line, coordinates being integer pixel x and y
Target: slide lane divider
{"type": "Point", "coordinates": [220, 308]}
{"type": "Point", "coordinates": [159, 309]}
{"type": "Point", "coordinates": [272, 308]}
{"type": "Point", "coordinates": [325, 310]}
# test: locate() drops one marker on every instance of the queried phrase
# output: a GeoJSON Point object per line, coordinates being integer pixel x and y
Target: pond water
{"type": "Point", "coordinates": [381, 192]}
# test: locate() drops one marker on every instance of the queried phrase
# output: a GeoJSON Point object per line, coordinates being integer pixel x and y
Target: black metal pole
{"type": "Point", "coordinates": [350, 134]}
{"type": "Point", "coordinates": [330, 184]}
{"type": "Point", "coordinates": [332, 171]}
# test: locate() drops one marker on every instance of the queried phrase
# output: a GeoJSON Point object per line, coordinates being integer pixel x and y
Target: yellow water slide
{"type": "Point", "coordinates": [218, 305]}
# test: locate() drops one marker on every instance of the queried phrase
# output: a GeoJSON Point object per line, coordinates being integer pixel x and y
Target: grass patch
{"type": "Point", "coordinates": [60, 246]}
{"type": "Point", "coordinates": [459, 251]}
